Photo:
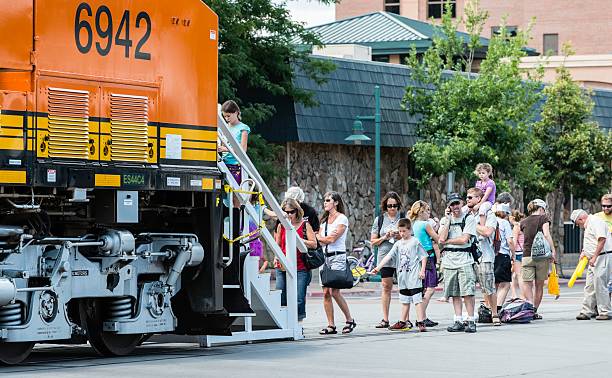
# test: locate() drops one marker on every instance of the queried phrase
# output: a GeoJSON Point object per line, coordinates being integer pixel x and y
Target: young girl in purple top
{"type": "Point", "coordinates": [484, 172]}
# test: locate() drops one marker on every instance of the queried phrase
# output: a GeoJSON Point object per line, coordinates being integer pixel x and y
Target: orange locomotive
{"type": "Point", "coordinates": [110, 211]}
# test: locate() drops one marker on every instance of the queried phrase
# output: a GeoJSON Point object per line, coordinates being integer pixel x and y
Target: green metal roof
{"type": "Point", "coordinates": [385, 33]}
{"type": "Point", "coordinates": [349, 92]}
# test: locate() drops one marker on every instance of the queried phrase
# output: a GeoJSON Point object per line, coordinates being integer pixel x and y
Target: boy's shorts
{"type": "Point", "coordinates": [534, 269]}
{"type": "Point", "coordinates": [459, 282]}
{"type": "Point", "coordinates": [503, 268]}
{"type": "Point", "coordinates": [486, 277]}
{"type": "Point", "coordinates": [415, 298]}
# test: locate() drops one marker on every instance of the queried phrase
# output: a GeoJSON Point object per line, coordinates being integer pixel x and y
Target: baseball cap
{"type": "Point", "coordinates": [576, 213]}
{"type": "Point", "coordinates": [504, 207]}
{"type": "Point", "coordinates": [540, 203]}
{"type": "Point", "coordinates": [453, 197]}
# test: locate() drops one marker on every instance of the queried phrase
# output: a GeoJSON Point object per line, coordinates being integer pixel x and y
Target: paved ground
{"type": "Point", "coordinates": [556, 346]}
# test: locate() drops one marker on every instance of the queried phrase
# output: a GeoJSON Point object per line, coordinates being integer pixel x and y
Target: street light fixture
{"type": "Point", "coordinates": [357, 138]}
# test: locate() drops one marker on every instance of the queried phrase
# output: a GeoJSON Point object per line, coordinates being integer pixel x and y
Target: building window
{"type": "Point", "coordinates": [551, 44]}
{"type": "Point", "coordinates": [435, 8]}
{"type": "Point", "coordinates": [380, 58]}
{"type": "Point", "coordinates": [392, 6]}
{"type": "Point", "coordinates": [511, 30]}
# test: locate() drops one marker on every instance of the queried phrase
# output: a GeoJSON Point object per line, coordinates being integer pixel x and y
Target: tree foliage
{"type": "Point", "coordinates": [570, 150]}
{"type": "Point", "coordinates": [469, 118]}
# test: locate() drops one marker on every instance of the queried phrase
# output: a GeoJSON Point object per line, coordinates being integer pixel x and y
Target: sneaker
{"type": "Point", "coordinates": [602, 317]}
{"type": "Point", "coordinates": [456, 327]}
{"type": "Point", "coordinates": [429, 323]}
{"type": "Point", "coordinates": [582, 316]}
{"type": "Point", "coordinates": [400, 326]}
{"type": "Point", "coordinates": [421, 326]}
{"type": "Point", "coordinates": [471, 327]}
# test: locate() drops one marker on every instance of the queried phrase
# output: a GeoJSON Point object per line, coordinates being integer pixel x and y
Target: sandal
{"type": "Point", "coordinates": [496, 321]}
{"type": "Point", "coordinates": [349, 327]}
{"type": "Point", "coordinates": [537, 316]}
{"type": "Point", "coordinates": [329, 330]}
{"type": "Point", "coordinates": [383, 324]}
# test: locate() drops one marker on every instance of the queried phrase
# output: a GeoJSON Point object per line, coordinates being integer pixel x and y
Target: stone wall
{"type": "Point", "coordinates": [349, 170]}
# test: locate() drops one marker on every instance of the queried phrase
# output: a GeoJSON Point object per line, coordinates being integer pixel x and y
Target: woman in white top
{"type": "Point", "coordinates": [332, 235]}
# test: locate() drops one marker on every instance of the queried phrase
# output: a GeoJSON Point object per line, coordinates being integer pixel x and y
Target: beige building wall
{"type": "Point", "coordinates": [592, 71]}
{"type": "Point", "coordinates": [586, 23]}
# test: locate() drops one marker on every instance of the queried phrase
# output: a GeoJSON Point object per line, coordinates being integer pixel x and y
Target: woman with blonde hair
{"type": "Point", "coordinates": [419, 214]}
{"type": "Point", "coordinates": [295, 216]}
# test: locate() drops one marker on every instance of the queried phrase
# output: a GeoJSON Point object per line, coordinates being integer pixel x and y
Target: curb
{"type": "Point", "coordinates": [362, 292]}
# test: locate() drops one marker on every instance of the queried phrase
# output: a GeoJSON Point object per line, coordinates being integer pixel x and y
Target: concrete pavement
{"type": "Point", "coordinates": [556, 346]}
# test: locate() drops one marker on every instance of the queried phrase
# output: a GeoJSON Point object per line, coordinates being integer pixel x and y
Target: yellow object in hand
{"type": "Point", "coordinates": [578, 272]}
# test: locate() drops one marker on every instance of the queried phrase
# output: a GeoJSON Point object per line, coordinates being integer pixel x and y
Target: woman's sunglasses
{"type": "Point", "coordinates": [392, 206]}
{"type": "Point", "coordinates": [290, 211]}
{"type": "Point", "coordinates": [328, 200]}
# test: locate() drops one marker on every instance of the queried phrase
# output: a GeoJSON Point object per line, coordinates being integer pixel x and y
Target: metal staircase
{"type": "Point", "coordinates": [270, 320]}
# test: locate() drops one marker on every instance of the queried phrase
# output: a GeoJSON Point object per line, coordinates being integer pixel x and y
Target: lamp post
{"type": "Point", "coordinates": [358, 137]}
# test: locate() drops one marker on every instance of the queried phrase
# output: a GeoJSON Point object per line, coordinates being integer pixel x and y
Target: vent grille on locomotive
{"type": "Point", "coordinates": [129, 120]}
{"type": "Point", "coordinates": [68, 123]}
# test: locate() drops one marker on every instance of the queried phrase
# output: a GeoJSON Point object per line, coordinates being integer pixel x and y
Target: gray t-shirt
{"type": "Point", "coordinates": [459, 259]}
{"type": "Point", "coordinates": [385, 247]}
{"type": "Point", "coordinates": [486, 244]}
{"type": "Point", "coordinates": [408, 255]}
{"type": "Point", "coordinates": [505, 231]}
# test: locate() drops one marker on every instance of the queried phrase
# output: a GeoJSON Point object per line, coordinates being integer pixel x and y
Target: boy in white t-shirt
{"type": "Point", "coordinates": [411, 260]}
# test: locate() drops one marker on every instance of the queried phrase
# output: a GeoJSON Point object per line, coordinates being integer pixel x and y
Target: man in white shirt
{"type": "Point", "coordinates": [597, 247]}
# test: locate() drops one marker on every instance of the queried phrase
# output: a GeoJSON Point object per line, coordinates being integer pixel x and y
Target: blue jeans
{"type": "Point", "coordinates": [303, 280]}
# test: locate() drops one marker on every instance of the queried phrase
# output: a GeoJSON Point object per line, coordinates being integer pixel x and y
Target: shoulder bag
{"type": "Point", "coordinates": [335, 279]}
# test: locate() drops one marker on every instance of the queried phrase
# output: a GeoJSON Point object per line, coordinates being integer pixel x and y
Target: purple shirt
{"type": "Point", "coordinates": [484, 185]}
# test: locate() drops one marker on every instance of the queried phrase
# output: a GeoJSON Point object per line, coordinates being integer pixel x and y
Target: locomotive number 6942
{"type": "Point", "coordinates": [103, 24]}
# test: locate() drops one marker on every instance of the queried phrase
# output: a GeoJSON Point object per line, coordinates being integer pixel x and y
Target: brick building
{"type": "Point", "coordinates": [586, 23]}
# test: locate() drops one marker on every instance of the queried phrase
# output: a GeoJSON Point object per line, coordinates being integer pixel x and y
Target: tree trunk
{"type": "Point", "coordinates": [556, 201]}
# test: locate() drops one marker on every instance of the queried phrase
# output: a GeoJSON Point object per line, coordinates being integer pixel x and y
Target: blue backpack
{"type": "Point", "coordinates": [517, 311]}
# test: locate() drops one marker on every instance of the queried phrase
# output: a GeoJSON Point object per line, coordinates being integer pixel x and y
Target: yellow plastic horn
{"type": "Point", "coordinates": [578, 272]}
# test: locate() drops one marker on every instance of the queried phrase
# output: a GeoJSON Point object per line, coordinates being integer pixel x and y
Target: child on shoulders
{"type": "Point", "coordinates": [411, 261]}
{"type": "Point", "coordinates": [484, 171]}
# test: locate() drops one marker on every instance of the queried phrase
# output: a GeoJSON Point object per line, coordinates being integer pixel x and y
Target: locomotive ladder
{"type": "Point", "coordinates": [271, 320]}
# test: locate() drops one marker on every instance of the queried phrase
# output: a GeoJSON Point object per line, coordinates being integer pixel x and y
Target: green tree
{"type": "Point", "coordinates": [469, 118]}
{"type": "Point", "coordinates": [571, 151]}
{"type": "Point", "coordinates": [256, 55]}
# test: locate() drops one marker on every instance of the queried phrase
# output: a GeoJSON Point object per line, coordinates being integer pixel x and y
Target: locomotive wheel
{"type": "Point", "coordinates": [93, 312]}
{"type": "Point", "coordinates": [14, 353]}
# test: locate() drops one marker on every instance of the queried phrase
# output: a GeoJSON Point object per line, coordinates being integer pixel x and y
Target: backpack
{"type": "Point", "coordinates": [473, 248]}
{"type": "Point", "coordinates": [540, 249]}
{"type": "Point", "coordinates": [497, 240]}
{"type": "Point", "coordinates": [517, 311]}
{"type": "Point", "coordinates": [484, 314]}
{"type": "Point", "coordinates": [381, 220]}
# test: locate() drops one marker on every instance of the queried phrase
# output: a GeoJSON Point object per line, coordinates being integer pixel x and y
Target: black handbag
{"type": "Point", "coordinates": [336, 279]}
{"type": "Point", "coordinates": [314, 258]}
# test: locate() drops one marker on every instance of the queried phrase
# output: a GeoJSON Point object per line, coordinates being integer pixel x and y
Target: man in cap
{"type": "Point", "coordinates": [597, 247]}
{"type": "Point", "coordinates": [457, 233]}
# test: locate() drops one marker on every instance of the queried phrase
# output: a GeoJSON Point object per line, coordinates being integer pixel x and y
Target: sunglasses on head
{"type": "Point", "coordinates": [290, 211]}
{"type": "Point", "coordinates": [392, 206]}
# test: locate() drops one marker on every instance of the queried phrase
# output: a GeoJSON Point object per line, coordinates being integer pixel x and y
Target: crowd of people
{"type": "Point", "coordinates": [480, 240]}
